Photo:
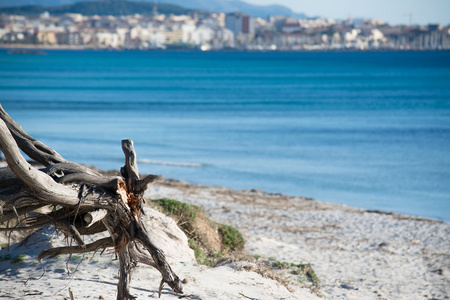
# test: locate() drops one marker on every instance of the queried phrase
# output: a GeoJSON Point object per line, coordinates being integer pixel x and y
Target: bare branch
{"type": "Point", "coordinates": [42, 185]}
{"type": "Point", "coordinates": [70, 230]}
{"type": "Point", "coordinates": [130, 170]}
{"type": "Point", "coordinates": [10, 214]}
{"type": "Point", "coordinates": [141, 186]}
{"type": "Point", "coordinates": [159, 259]}
{"type": "Point", "coordinates": [102, 243]}
{"type": "Point", "coordinates": [32, 147]}
{"type": "Point", "coordinates": [141, 256]}
{"type": "Point", "coordinates": [68, 168]}
{"type": "Point", "coordinates": [104, 182]}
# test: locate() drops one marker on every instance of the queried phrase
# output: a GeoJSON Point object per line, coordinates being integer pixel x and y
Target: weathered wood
{"type": "Point", "coordinates": [94, 216]}
{"type": "Point", "coordinates": [82, 201]}
{"type": "Point", "coordinates": [94, 246]}
{"type": "Point", "coordinates": [56, 170]}
{"type": "Point", "coordinates": [130, 171]}
{"type": "Point", "coordinates": [70, 230]}
{"type": "Point", "coordinates": [35, 149]}
{"type": "Point", "coordinates": [44, 187]}
{"type": "Point", "coordinates": [9, 215]}
{"type": "Point", "coordinates": [140, 186]}
{"type": "Point", "coordinates": [159, 259]}
{"type": "Point", "coordinates": [127, 265]}
{"type": "Point", "coordinates": [140, 255]}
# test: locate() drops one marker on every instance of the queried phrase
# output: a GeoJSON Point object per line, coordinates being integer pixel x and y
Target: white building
{"type": "Point", "coordinates": [351, 36]}
{"type": "Point", "coordinates": [203, 35]}
{"type": "Point", "coordinates": [188, 30]}
{"type": "Point", "coordinates": [225, 36]}
{"type": "Point", "coordinates": [109, 39]}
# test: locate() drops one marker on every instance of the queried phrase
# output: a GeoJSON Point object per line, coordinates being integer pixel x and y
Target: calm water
{"type": "Point", "coordinates": [370, 130]}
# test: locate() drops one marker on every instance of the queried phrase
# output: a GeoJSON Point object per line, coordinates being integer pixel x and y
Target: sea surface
{"type": "Point", "coordinates": [366, 129]}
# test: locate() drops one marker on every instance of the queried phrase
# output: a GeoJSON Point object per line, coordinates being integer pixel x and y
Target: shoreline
{"type": "Point", "coordinates": [181, 184]}
{"type": "Point", "coordinates": [90, 48]}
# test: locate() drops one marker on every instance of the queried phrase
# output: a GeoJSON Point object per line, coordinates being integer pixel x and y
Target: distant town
{"type": "Point", "coordinates": [205, 31]}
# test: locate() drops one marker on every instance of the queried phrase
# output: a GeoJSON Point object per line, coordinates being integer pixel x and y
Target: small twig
{"type": "Point", "coordinates": [71, 294]}
{"type": "Point", "coordinates": [92, 257]}
{"type": "Point", "coordinates": [248, 297]}
{"type": "Point", "coordinates": [73, 274]}
{"type": "Point", "coordinates": [67, 263]}
{"type": "Point", "coordinates": [101, 253]}
{"type": "Point", "coordinates": [79, 202]}
{"type": "Point", "coordinates": [9, 235]}
{"type": "Point", "coordinates": [34, 294]}
{"type": "Point", "coordinates": [160, 288]}
{"type": "Point", "coordinates": [15, 212]}
{"type": "Point", "coordinates": [42, 275]}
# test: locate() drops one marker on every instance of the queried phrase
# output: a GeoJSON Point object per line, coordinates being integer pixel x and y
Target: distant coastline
{"type": "Point", "coordinates": [81, 48]}
{"type": "Point", "coordinates": [44, 47]}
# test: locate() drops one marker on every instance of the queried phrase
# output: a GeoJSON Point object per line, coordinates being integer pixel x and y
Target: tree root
{"type": "Point", "coordinates": [79, 201]}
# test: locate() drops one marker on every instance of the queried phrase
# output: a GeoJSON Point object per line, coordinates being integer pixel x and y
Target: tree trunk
{"type": "Point", "coordinates": [83, 201]}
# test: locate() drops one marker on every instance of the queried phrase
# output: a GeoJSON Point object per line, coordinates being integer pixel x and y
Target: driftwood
{"type": "Point", "coordinates": [82, 201]}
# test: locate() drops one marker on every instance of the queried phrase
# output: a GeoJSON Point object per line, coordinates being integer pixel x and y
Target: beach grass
{"type": "Point", "coordinates": [197, 226]}
{"type": "Point", "coordinates": [209, 240]}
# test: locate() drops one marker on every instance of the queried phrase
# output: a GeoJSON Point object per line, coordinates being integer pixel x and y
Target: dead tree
{"type": "Point", "coordinates": [82, 201]}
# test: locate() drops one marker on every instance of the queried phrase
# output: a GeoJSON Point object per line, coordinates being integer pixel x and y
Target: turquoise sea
{"type": "Point", "coordinates": [367, 129]}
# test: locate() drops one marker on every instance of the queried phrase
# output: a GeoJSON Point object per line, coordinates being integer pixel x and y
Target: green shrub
{"type": "Point", "coordinates": [177, 208]}
{"type": "Point", "coordinates": [231, 238]}
{"type": "Point", "coordinates": [307, 271]}
{"type": "Point", "coordinates": [188, 217]}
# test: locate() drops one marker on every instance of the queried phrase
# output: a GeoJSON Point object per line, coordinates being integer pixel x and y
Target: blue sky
{"type": "Point", "coordinates": [391, 11]}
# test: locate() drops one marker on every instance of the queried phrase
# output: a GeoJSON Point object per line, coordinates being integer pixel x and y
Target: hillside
{"type": "Point", "coordinates": [207, 5]}
{"type": "Point", "coordinates": [236, 5]}
{"type": "Point", "coordinates": [103, 8]}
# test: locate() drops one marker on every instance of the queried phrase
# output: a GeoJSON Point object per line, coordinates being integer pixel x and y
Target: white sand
{"type": "Point", "coordinates": [356, 254]}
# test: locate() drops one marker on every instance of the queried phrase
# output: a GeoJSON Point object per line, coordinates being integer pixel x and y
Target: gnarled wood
{"type": "Point", "coordinates": [102, 243]}
{"type": "Point", "coordinates": [81, 201]}
{"type": "Point", "coordinates": [35, 149]}
{"type": "Point", "coordinates": [43, 186]}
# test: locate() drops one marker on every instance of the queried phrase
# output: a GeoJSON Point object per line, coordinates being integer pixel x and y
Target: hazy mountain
{"type": "Point", "coordinates": [208, 5]}
{"type": "Point", "coordinates": [236, 5]}
{"type": "Point", "coordinates": [90, 8]}
{"type": "Point", "coordinates": [12, 3]}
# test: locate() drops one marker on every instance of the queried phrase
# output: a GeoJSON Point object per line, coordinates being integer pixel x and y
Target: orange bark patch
{"type": "Point", "coordinates": [121, 243]}
{"type": "Point", "coordinates": [134, 202]}
{"type": "Point", "coordinates": [122, 191]}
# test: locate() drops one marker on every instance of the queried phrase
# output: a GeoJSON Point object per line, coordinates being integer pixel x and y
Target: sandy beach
{"type": "Point", "coordinates": [356, 254]}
